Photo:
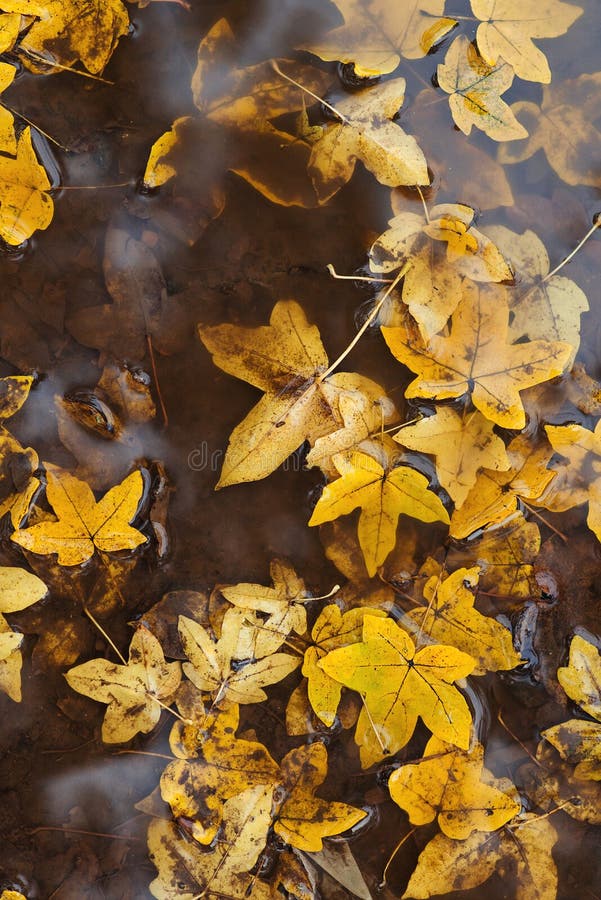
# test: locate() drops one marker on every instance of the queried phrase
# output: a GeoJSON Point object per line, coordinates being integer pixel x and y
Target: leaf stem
{"type": "Point", "coordinates": [319, 99]}
{"type": "Point", "coordinates": [104, 634]}
{"type": "Point", "coordinates": [56, 65]}
{"type": "Point", "coordinates": [371, 317]}
{"type": "Point", "coordinates": [37, 127]}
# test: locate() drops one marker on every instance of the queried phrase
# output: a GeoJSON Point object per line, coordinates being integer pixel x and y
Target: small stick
{"type": "Point", "coordinates": [102, 834]}
{"type": "Point", "coordinates": [579, 245]}
{"type": "Point", "coordinates": [371, 317]}
{"type": "Point", "coordinates": [37, 128]}
{"type": "Point", "coordinates": [157, 383]}
{"type": "Point", "coordinates": [319, 99]}
{"type": "Point", "coordinates": [384, 881]}
{"type": "Point", "coordinates": [372, 280]}
{"type": "Point", "coordinates": [56, 65]}
{"type": "Point", "coordinates": [544, 521]}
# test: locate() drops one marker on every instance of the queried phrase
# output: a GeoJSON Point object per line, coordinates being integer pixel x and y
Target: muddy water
{"type": "Point", "coordinates": [62, 795]}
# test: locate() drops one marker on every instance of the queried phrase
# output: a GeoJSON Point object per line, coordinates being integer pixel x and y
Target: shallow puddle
{"type": "Point", "coordinates": [115, 288]}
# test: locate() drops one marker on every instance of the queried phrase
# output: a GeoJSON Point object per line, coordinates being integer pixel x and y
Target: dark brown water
{"type": "Point", "coordinates": [62, 794]}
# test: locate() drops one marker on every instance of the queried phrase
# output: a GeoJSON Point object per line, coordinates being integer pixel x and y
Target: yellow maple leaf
{"type": "Point", "coordinates": [461, 444]}
{"type": "Point", "coordinates": [8, 138]}
{"type": "Point", "coordinates": [25, 204]}
{"type": "Point", "coordinates": [579, 480]}
{"type": "Point", "coordinates": [375, 34]}
{"type": "Point", "coordinates": [66, 31]}
{"type": "Point", "coordinates": [475, 89]}
{"type": "Point", "coordinates": [287, 361]}
{"type": "Point", "coordinates": [464, 169]}
{"type": "Point", "coordinates": [221, 767]}
{"type": "Point", "coordinates": [384, 492]}
{"type": "Point", "coordinates": [210, 669]}
{"type": "Point", "coordinates": [131, 691]}
{"type": "Point", "coordinates": [446, 865]}
{"type": "Point", "coordinates": [366, 132]}
{"type": "Point", "coordinates": [283, 605]}
{"type": "Point", "coordinates": [332, 629]}
{"type": "Point", "coordinates": [541, 307]}
{"type": "Point", "coordinates": [508, 27]}
{"type": "Point", "coordinates": [400, 684]}
{"type": "Point", "coordinates": [18, 590]}
{"type": "Point", "coordinates": [186, 871]}
{"type": "Point", "coordinates": [581, 678]}
{"type": "Point", "coordinates": [84, 524]}
{"type": "Point", "coordinates": [505, 555]}
{"type": "Point", "coordinates": [563, 126]}
{"type": "Point", "coordinates": [364, 412]}
{"type": "Point", "coordinates": [476, 358]}
{"type": "Point", "coordinates": [495, 494]}
{"type": "Point", "coordinates": [442, 250]}
{"type": "Point", "coordinates": [300, 818]}
{"type": "Point", "coordinates": [452, 786]}
{"type": "Point", "coordinates": [449, 617]}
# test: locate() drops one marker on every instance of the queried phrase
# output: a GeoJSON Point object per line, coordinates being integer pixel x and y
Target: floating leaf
{"type": "Point", "coordinates": [400, 684]}
{"type": "Point", "coordinates": [578, 481]}
{"type": "Point", "coordinates": [441, 250]}
{"type": "Point", "coordinates": [209, 666]}
{"type": "Point", "coordinates": [508, 27]}
{"type": "Point", "coordinates": [383, 492]}
{"type": "Point", "coordinates": [367, 132]}
{"type": "Point", "coordinates": [67, 31]}
{"type": "Point", "coordinates": [287, 360]}
{"type": "Point", "coordinates": [130, 691]}
{"type": "Point", "coordinates": [84, 524]}
{"type": "Point", "coordinates": [376, 34]}
{"type": "Point", "coordinates": [283, 605]}
{"type": "Point", "coordinates": [332, 629]}
{"type": "Point", "coordinates": [25, 204]}
{"type": "Point", "coordinates": [449, 617]}
{"type": "Point", "coordinates": [446, 865]}
{"type": "Point", "coordinates": [475, 90]}
{"type": "Point", "coordinates": [452, 786]}
{"type": "Point", "coordinates": [476, 358]}
{"type": "Point", "coordinates": [461, 444]}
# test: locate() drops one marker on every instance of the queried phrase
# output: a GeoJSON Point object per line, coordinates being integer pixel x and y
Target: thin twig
{"type": "Point", "coordinates": [319, 99]}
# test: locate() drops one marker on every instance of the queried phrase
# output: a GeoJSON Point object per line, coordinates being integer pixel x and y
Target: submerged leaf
{"type": "Point", "coordinates": [564, 127]}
